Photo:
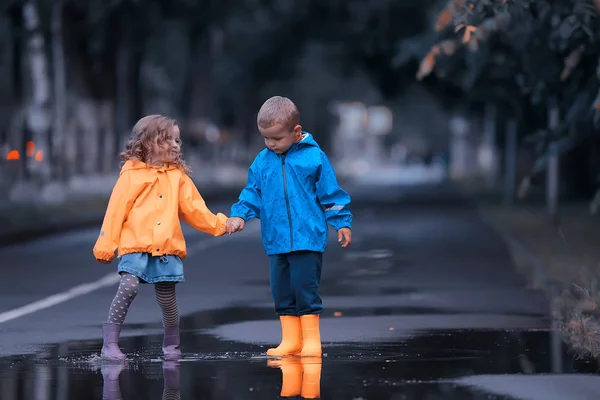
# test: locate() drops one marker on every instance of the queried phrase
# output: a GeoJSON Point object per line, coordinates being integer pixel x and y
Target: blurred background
{"type": "Point", "coordinates": [490, 102]}
{"type": "Point", "coordinates": [421, 90]}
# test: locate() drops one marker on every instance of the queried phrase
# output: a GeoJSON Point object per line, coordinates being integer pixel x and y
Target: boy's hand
{"type": "Point", "coordinates": [235, 224]}
{"type": "Point", "coordinates": [345, 236]}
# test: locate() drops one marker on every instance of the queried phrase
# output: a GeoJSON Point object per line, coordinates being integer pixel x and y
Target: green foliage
{"type": "Point", "coordinates": [542, 48]}
{"type": "Point", "coordinates": [520, 54]}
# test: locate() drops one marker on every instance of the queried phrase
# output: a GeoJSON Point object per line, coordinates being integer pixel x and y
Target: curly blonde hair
{"type": "Point", "coordinates": [148, 132]}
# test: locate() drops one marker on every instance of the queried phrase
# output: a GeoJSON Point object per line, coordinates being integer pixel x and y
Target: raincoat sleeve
{"type": "Point", "coordinates": [333, 199]}
{"type": "Point", "coordinates": [121, 200]}
{"type": "Point", "coordinates": [250, 200]}
{"type": "Point", "coordinates": [193, 210]}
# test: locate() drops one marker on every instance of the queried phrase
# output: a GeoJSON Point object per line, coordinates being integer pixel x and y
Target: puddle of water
{"type": "Point", "coordinates": [425, 364]}
{"type": "Point", "coordinates": [429, 365]}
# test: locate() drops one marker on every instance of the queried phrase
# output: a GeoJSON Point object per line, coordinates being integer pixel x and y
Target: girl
{"type": "Point", "coordinates": [142, 221]}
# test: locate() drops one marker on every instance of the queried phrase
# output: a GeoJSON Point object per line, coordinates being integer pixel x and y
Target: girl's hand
{"type": "Point", "coordinates": [104, 261]}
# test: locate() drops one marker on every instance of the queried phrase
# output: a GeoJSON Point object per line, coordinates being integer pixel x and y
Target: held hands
{"type": "Point", "coordinates": [234, 224]}
{"type": "Point", "coordinates": [345, 237]}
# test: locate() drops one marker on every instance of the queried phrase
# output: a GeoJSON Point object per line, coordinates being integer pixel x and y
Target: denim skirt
{"type": "Point", "coordinates": [152, 269]}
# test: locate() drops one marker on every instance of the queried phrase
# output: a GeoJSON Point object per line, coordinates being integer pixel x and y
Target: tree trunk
{"type": "Point", "coordinates": [510, 161]}
{"type": "Point", "coordinates": [490, 148]}
{"type": "Point", "coordinates": [552, 170]}
{"type": "Point", "coordinates": [38, 118]}
{"type": "Point", "coordinates": [123, 99]}
{"type": "Point", "coordinates": [106, 146]}
{"type": "Point", "coordinates": [58, 58]}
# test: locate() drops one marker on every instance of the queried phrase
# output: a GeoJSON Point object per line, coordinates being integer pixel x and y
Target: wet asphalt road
{"type": "Point", "coordinates": [425, 305]}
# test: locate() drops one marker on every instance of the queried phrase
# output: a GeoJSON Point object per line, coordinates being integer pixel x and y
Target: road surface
{"type": "Point", "coordinates": [426, 304]}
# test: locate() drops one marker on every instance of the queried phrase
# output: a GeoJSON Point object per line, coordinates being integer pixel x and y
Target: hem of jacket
{"type": "Point", "coordinates": [277, 252]}
{"type": "Point", "coordinates": [244, 217]}
{"type": "Point", "coordinates": [344, 223]}
{"type": "Point", "coordinates": [148, 249]}
{"type": "Point", "coordinates": [221, 228]}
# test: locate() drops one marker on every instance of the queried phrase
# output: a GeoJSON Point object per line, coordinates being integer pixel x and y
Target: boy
{"type": "Point", "coordinates": [292, 188]}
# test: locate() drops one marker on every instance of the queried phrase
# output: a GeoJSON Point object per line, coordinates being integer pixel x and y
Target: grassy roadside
{"type": "Point", "coordinates": [561, 257]}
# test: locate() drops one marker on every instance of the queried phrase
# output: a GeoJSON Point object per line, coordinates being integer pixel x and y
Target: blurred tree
{"type": "Point", "coordinates": [109, 62]}
{"type": "Point", "coordinates": [521, 53]}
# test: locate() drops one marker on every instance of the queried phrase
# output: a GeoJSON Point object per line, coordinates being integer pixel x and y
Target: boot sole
{"type": "Point", "coordinates": [295, 354]}
{"type": "Point", "coordinates": [112, 358]}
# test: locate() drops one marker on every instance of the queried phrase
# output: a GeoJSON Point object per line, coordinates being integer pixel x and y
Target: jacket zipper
{"type": "Point", "coordinates": [287, 202]}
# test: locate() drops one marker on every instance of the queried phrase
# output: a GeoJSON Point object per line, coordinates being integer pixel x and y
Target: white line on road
{"type": "Point", "coordinates": [111, 279]}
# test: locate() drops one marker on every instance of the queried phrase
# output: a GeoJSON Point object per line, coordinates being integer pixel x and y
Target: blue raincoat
{"type": "Point", "coordinates": [295, 195]}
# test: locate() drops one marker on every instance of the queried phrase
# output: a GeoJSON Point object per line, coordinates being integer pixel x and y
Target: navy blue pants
{"type": "Point", "coordinates": [295, 279]}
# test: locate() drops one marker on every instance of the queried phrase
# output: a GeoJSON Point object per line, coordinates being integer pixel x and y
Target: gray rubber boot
{"type": "Point", "coordinates": [110, 347]}
{"type": "Point", "coordinates": [171, 344]}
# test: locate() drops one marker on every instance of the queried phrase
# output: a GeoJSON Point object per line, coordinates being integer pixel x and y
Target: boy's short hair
{"type": "Point", "coordinates": [278, 110]}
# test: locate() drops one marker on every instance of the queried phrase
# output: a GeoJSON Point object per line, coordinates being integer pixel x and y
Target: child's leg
{"type": "Point", "coordinates": [305, 272]}
{"type": "Point", "coordinates": [128, 289]}
{"type": "Point", "coordinates": [167, 300]}
{"type": "Point", "coordinates": [281, 289]}
{"type": "Point", "coordinates": [285, 306]}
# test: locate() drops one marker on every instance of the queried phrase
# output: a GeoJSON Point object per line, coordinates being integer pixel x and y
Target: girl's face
{"type": "Point", "coordinates": [167, 148]}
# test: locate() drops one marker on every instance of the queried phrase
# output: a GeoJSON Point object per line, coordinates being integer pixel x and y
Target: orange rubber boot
{"type": "Point", "coordinates": [311, 378]}
{"type": "Point", "coordinates": [311, 336]}
{"type": "Point", "coordinates": [291, 337]}
{"type": "Point", "coordinates": [291, 375]}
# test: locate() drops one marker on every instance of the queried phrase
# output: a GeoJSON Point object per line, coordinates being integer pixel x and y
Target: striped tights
{"type": "Point", "coordinates": [129, 288]}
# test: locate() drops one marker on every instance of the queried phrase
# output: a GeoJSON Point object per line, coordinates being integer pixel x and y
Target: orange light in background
{"type": "Point", "coordinates": [29, 148]}
{"type": "Point", "coordinates": [39, 155]}
{"type": "Point", "coordinates": [13, 155]}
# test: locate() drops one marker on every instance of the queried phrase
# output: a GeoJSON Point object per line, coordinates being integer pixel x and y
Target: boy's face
{"type": "Point", "coordinates": [279, 138]}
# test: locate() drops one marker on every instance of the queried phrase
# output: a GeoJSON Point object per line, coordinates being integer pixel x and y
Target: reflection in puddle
{"type": "Point", "coordinates": [111, 387]}
{"type": "Point", "coordinates": [429, 365]}
{"type": "Point", "coordinates": [300, 376]}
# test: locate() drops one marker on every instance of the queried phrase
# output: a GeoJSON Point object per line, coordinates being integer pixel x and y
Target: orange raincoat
{"type": "Point", "coordinates": [144, 210]}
